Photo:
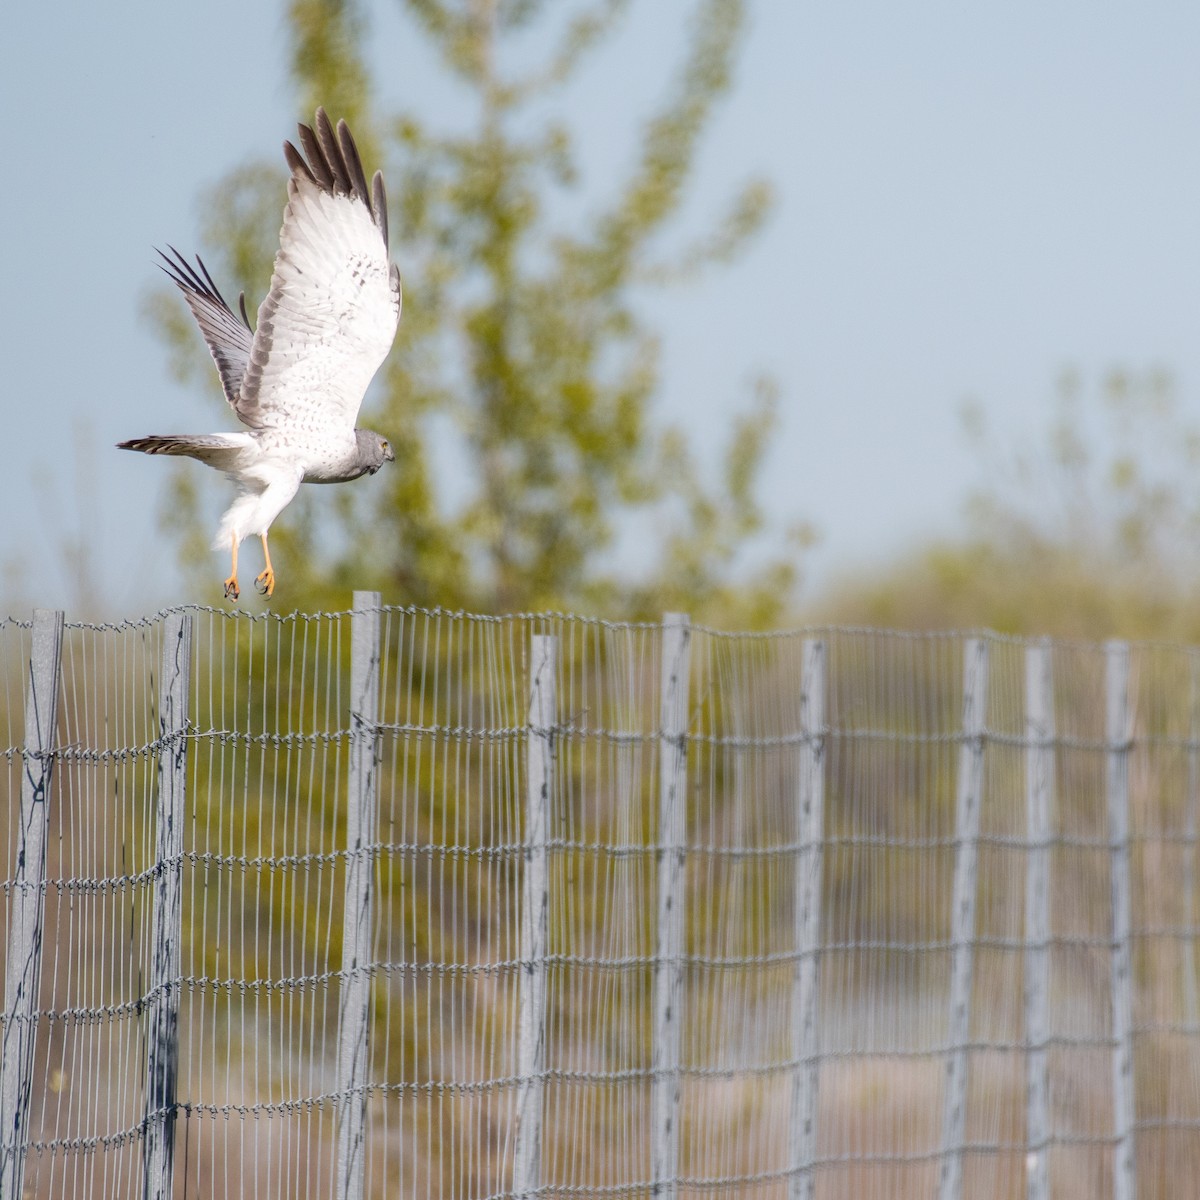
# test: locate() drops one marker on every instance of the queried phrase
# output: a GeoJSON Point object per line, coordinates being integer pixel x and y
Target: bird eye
{"type": "Point", "coordinates": [385, 445]}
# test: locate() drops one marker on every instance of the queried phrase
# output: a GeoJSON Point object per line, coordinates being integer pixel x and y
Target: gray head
{"type": "Point", "coordinates": [373, 450]}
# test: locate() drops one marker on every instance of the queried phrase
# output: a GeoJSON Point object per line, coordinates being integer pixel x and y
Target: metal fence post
{"type": "Point", "coordinates": [162, 1028]}
{"type": "Point", "coordinates": [354, 1012]}
{"type": "Point", "coordinates": [809, 863]}
{"type": "Point", "coordinates": [27, 904]}
{"type": "Point", "coordinates": [1039, 795]}
{"type": "Point", "coordinates": [962, 917]}
{"type": "Point", "coordinates": [668, 967]}
{"type": "Point", "coordinates": [531, 1031]}
{"type": "Point", "coordinates": [1119, 735]}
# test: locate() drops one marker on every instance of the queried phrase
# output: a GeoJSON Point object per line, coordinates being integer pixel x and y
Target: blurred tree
{"type": "Point", "coordinates": [523, 332]}
{"type": "Point", "coordinates": [1088, 528]}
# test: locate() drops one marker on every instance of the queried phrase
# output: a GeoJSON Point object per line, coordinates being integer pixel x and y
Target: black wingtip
{"type": "Point", "coordinates": [174, 265]}
{"type": "Point", "coordinates": [333, 153]}
{"type": "Point", "coordinates": [318, 168]}
{"type": "Point", "coordinates": [187, 278]}
{"type": "Point", "coordinates": [353, 163]}
{"type": "Point", "coordinates": [379, 206]}
{"type": "Point", "coordinates": [329, 158]}
{"type": "Point", "coordinates": [176, 269]}
{"type": "Point", "coordinates": [209, 279]}
{"type": "Point", "coordinates": [296, 163]}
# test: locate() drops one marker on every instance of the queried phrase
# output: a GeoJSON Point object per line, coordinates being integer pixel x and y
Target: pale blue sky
{"type": "Point", "coordinates": [970, 198]}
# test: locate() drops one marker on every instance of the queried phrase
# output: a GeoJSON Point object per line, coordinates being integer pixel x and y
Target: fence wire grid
{"type": "Point", "coordinates": [396, 902]}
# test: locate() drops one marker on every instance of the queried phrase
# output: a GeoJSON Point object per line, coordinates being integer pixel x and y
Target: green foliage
{"type": "Point", "coordinates": [520, 338]}
{"type": "Point", "coordinates": [1086, 529]}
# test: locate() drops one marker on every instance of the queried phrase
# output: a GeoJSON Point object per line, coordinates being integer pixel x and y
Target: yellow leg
{"type": "Point", "coordinates": [266, 581]}
{"type": "Point", "coordinates": [231, 584]}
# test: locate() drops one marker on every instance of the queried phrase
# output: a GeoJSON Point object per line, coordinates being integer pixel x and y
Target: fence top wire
{"type": "Point", "coordinates": [557, 616]}
{"type": "Point", "coordinates": [853, 713]}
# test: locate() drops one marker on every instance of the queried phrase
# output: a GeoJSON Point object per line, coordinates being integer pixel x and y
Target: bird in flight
{"type": "Point", "coordinates": [297, 381]}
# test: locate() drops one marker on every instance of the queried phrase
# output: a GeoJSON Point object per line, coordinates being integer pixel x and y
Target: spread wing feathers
{"type": "Point", "coordinates": [229, 452]}
{"type": "Point", "coordinates": [330, 316]}
{"type": "Point", "coordinates": [229, 340]}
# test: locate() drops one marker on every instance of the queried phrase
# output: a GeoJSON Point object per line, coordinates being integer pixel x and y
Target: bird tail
{"type": "Point", "coordinates": [220, 450]}
{"type": "Point", "coordinates": [194, 445]}
{"type": "Point", "coordinates": [157, 445]}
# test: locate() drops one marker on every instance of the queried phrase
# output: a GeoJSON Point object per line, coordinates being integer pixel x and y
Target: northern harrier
{"type": "Point", "coordinates": [297, 382]}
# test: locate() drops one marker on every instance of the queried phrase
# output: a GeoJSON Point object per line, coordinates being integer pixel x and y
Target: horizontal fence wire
{"type": "Point", "coordinates": [590, 936]}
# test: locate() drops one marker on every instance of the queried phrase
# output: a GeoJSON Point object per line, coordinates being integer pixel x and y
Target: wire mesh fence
{"type": "Point", "coordinates": [397, 902]}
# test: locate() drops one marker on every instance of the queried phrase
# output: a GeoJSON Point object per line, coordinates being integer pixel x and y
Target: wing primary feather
{"type": "Point", "coordinates": [353, 161]}
{"type": "Point", "coordinates": [296, 163]}
{"type": "Point", "coordinates": [379, 206]}
{"type": "Point", "coordinates": [180, 270]}
{"type": "Point", "coordinates": [333, 153]}
{"type": "Point", "coordinates": [185, 276]}
{"type": "Point", "coordinates": [242, 306]}
{"type": "Point", "coordinates": [178, 257]}
{"type": "Point", "coordinates": [319, 170]}
{"type": "Point", "coordinates": [216, 291]}
{"type": "Point", "coordinates": [227, 341]}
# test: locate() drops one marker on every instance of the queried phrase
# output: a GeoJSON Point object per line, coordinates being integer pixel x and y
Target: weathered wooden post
{"type": "Point", "coordinates": [962, 917]}
{"type": "Point", "coordinates": [1039, 798]}
{"type": "Point", "coordinates": [668, 969]}
{"type": "Point", "coordinates": [28, 898]}
{"type": "Point", "coordinates": [531, 1021]}
{"type": "Point", "coordinates": [810, 803]}
{"type": "Point", "coordinates": [162, 1023]}
{"type": "Point", "coordinates": [354, 1012]}
{"type": "Point", "coordinates": [1118, 734]}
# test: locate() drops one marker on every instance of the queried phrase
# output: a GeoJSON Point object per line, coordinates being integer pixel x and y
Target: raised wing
{"type": "Point", "coordinates": [330, 316]}
{"type": "Point", "coordinates": [229, 339]}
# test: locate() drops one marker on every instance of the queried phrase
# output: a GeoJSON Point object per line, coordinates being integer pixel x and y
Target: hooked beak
{"type": "Point", "coordinates": [389, 454]}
